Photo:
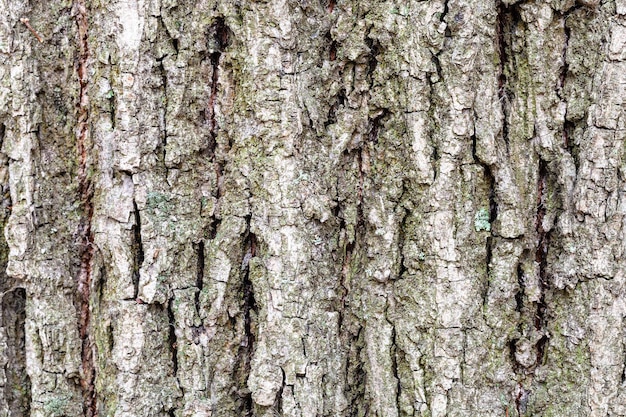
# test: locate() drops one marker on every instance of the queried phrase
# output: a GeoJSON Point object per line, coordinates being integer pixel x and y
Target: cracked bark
{"type": "Point", "coordinates": [313, 208]}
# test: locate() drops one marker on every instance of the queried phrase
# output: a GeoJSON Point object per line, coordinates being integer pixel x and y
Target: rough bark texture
{"type": "Point", "coordinates": [313, 208]}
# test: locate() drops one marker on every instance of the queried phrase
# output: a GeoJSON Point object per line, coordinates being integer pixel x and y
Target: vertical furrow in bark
{"type": "Point", "coordinates": [14, 378]}
{"type": "Point", "coordinates": [503, 28]}
{"type": "Point", "coordinates": [163, 111]}
{"type": "Point", "coordinates": [172, 340]}
{"type": "Point", "coordinates": [318, 243]}
{"type": "Point", "coordinates": [199, 273]}
{"type": "Point", "coordinates": [541, 257]}
{"type": "Point", "coordinates": [85, 188]}
{"type": "Point", "coordinates": [249, 308]}
{"type": "Point", "coordinates": [137, 249]}
{"type": "Point", "coordinates": [493, 205]}
{"type": "Point", "coordinates": [219, 35]}
{"type": "Point", "coordinates": [16, 392]}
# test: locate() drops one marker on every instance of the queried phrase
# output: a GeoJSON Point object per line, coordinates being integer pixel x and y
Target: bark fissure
{"type": "Point", "coordinates": [17, 385]}
{"type": "Point", "coordinates": [519, 296]}
{"type": "Point", "coordinates": [163, 111]}
{"type": "Point", "coordinates": [375, 124]}
{"type": "Point", "coordinates": [355, 375]}
{"type": "Point", "coordinates": [395, 352]}
{"type": "Point", "coordinates": [85, 236]}
{"type": "Point", "coordinates": [249, 309]}
{"type": "Point", "coordinates": [355, 266]}
{"type": "Point", "coordinates": [345, 274]}
{"type": "Point", "coordinates": [541, 257]}
{"type": "Point", "coordinates": [172, 343]}
{"type": "Point", "coordinates": [565, 67]}
{"type": "Point", "coordinates": [199, 273]}
{"type": "Point", "coordinates": [331, 6]}
{"type": "Point", "coordinates": [219, 39]}
{"type": "Point", "coordinates": [339, 101]}
{"type": "Point", "coordinates": [493, 214]}
{"type": "Point", "coordinates": [278, 403]}
{"type": "Point", "coordinates": [521, 400]}
{"type": "Point", "coordinates": [137, 248]}
{"type": "Point", "coordinates": [172, 340]}
{"type": "Point", "coordinates": [503, 21]}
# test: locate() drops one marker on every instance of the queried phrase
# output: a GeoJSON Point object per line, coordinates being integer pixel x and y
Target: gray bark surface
{"type": "Point", "coordinates": [313, 208]}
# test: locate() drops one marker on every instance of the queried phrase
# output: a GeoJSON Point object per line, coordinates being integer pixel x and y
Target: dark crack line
{"type": "Point", "coordinates": [493, 212]}
{"type": "Point", "coordinates": [249, 307]}
{"type": "Point", "coordinates": [85, 235]}
{"type": "Point", "coordinates": [541, 257]}
{"type": "Point", "coordinates": [172, 343]}
{"type": "Point", "coordinates": [138, 251]}
{"type": "Point", "coordinates": [345, 275]}
{"type": "Point", "coordinates": [278, 402]}
{"type": "Point", "coordinates": [13, 326]}
{"type": "Point", "coordinates": [504, 18]}
{"type": "Point", "coordinates": [172, 339]}
{"type": "Point", "coordinates": [219, 38]}
{"type": "Point", "coordinates": [394, 359]}
{"type": "Point", "coordinates": [163, 111]}
{"type": "Point", "coordinates": [199, 274]}
{"type": "Point", "coordinates": [331, 5]}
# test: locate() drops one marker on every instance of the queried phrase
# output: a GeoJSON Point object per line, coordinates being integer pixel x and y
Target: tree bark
{"type": "Point", "coordinates": [313, 208]}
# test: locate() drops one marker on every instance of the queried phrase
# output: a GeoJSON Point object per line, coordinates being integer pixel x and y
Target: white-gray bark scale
{"type": "Point", "coordinates": [313, 208]}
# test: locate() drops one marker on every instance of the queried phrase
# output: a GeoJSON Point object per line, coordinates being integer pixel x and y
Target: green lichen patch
{"type": "Point", "coordinates": [481, 220]}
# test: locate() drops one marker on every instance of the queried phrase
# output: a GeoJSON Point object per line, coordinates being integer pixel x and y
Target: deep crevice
{"type": "Point", "coordinates": [493, 212]}
{"type": "Point", "coordinates": [356, 376]}
{"type": "Point", "coordinates": [137, 248]}
{"type": "Point", "coordinates": [248, 289]}
{"type": "Point", "coordinates": [541, 257]}
{"type": "Point", "coordinates": [219, 179]}
{"type": "Point", "coordinates": [172, 340]}
{"type": "Point", "coordinates": [519, 296]}
{"type": "Point", "coordinates": [521, 400]}
{"type": "Point", "coordinates": [219, 36]}
{"type": "Point", "coordinates": [570, 144]}
{"type": "Point", "coordinates": [395, 351]}
{"type": "Point", "coordinates": [345, 271]}
{"type": "Point", "coordinates": [512, 345]}
{"type": "Point", "coordinates": [373, 128]}
{"type": "Point", "coordinates": [435, 60]}
{"type": "Point", "coordinates": [446, 9]}
{"type": "Point", "coordinates": [402, 269]}
{"type": "Point", "coordinates": [278, 402]}
{"type": "Point", "coordinates": [332, 49]}
{"type": "Point", "coordinates": [17, 388]}
{"type": "Point", "coordinates": [491, 182]}
{"type": "Point", "coordinates": [340, 101]}
{"type": "Point", "coordinates": [163, 110]}
{"type": "Point", "coordinates": [199, 247]}
{"type": "Point", "coordinates": [211, 229]}
{"type": "Point", "coordinates": [172, 344]}
{"type": "Point", "coordinates": [375, 49]}
{"type": "Point", "coordinates": [332, 52]}
{"type": "Point", "coordinates": [488, 257]}
{"type": "Point", "coordinates": [565, 66]}
{"type": "Point", "coordinates": [84, 235]}
{"type": "Point", "coordinates": [504, 24]}
{"type": "Point", "coordinates": [249, 311]}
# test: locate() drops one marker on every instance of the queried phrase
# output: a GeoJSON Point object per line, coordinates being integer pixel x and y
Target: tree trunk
{"type": "Point", "coordinates": [313, 208]}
